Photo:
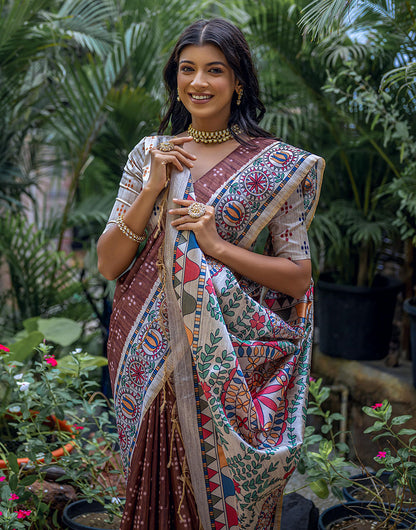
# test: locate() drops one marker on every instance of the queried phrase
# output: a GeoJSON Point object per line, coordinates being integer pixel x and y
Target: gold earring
{"type": "Point", "coordinates": [177, 97]}
{"type": "Point", "coordinates": [239, 95]}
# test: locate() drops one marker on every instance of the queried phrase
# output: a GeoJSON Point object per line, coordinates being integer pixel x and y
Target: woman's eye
{"type": "Point", "coordinates": [186, 69]}
{"type": "Point", "coordinates": [216, 70]}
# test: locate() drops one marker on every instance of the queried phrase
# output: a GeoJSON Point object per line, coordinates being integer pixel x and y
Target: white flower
{"type": "Point", "coordinates": [115, 500]}
{"type": "Point", "coordinates": [76, 351]}
{"type": "Point", "coordinates": [14, 409]}
{"type": "Point", "coordinates": [24, 386]}
{"type": "Point", "coordinates": [18, 376]}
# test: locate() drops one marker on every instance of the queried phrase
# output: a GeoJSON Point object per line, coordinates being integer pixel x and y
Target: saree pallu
{"type": "Point", "coordinates": [210, 371]}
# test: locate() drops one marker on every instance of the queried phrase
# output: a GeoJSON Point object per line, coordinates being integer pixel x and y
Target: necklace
{"type": "Point", "coordinates": [213, 137]}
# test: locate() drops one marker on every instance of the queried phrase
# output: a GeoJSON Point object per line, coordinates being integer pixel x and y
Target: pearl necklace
{"type": "Point", "coordinates": [213, 137]}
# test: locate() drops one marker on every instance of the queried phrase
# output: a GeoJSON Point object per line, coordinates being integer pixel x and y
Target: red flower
{"type": "Point", "coordinates": [209, 287]}
{"type": "Point", "coordinates": [50, 359]}
{"type": "Point", "coordinates": [2, 479]}
{"type": "Point", "coordinates": [257, 321]}
{"type": "Point", "coordinates": [21, 514]}
{"type": "Point", "coordinates": [78, 427]}
{"type": "Point", "coordinates": [377, 406]}
{"type": "Point", "coordinates": [381, 454]}
{"type": "Point", "coordinates": [4, 348]}
{"type": "Point", "coordinates": [13, 497]}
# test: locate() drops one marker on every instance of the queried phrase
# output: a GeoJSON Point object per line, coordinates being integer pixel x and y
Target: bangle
{"type": "Point", "coordinates": [127, 232]}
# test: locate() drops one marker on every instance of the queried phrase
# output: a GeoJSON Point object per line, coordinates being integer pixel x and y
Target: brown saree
{"type": "Point", "coordinates": [209, 372]}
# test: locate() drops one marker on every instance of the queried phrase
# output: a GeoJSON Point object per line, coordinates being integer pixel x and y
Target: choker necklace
{"type": "Point", "coordinates": [213, 137]}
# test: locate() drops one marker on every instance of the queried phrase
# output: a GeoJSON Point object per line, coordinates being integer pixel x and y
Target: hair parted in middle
{"type": "Point", "coordinates": [232, 43]}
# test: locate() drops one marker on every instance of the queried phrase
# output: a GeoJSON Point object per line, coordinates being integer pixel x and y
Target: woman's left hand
{"type": "Point", "coordinates": [203, 227]}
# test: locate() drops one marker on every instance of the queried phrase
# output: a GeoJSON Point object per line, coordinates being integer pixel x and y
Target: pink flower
{"type": "Point", "coordinates": [377, 406]}
{"type": "Point", "coordinates": [312, 380]}
{"type": "Point", "coordinates": [257, 321]}
{"type": "Point", "coordinates": [4, 348]}
{"type": "Point", "coordinates": [381, 454]}
{"type": "Point", "coordinates": [50, 359]}
{"type": "Point", "coordinates": [78, 427]}
{"type": "Point", "coordinates": [21, 514]}
{"type": "Point", "coordinates": [209, 287]}
{"type": "Point", "coordinates": [1, 513]}
{"type": "Point", "coordinates": [13, 497]}
{"type": "Point", "coordinates": [2, 479]}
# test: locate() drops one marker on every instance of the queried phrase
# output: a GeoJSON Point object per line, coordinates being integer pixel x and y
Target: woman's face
{"type": "Point", "coordinates": [206, 84]}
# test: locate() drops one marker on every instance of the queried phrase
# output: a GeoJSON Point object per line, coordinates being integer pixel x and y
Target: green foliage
{"type": "Point", "coordinates": [32, 394]}
{"type": "Point", "coordinates": [325, 463]}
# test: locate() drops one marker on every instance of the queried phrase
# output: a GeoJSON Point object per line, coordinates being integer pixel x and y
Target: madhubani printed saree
{"type": "Point", "coordinates": [210, 370]}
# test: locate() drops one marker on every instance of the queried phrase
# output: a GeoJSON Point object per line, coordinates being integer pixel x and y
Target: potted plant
{"type": "Point", "coordinates": [323, 460]}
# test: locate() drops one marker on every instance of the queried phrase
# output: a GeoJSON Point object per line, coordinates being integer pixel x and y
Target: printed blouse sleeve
{"type": "Point", "coordinates": [131, 183]}
{"type": "Point", "coordinates": [288, 229]}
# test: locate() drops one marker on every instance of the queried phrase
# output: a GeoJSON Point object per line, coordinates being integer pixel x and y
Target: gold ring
{"type": "Point", "coordinates": [166, 147]}
{"type": "Point", "coordinates": [196, 210]}
{"type": "Point", "coordinates": [164, 163]}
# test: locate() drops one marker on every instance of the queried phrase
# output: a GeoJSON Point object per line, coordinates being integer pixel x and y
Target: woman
{"type": "Point", "coordinates": [209, 341]}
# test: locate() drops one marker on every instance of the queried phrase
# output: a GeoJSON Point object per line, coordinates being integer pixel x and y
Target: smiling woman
{"type": "Point", "coordinates": [209, 341]}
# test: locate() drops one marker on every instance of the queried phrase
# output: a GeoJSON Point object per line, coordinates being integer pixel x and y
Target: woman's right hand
{"type": "Point", "coordinates": [162, 163]}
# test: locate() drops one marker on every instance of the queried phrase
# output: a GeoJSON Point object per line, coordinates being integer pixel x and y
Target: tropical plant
{"type": "Point", "coordinates": [353, 220]}
{"type": "Point", "coordinates": [373, 92]}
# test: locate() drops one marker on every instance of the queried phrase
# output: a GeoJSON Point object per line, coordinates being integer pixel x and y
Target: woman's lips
{"type": "Point", "coordinates": [200, 98]}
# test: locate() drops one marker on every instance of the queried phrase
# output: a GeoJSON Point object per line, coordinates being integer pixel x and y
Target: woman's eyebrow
{"type": "Point", "coordinates": [208, 64]}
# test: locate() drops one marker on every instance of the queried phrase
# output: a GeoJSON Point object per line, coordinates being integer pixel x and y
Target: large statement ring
{"type": "Point", "coordinates": [166, 147]}
{"type": "Point", "coordinates": [196, 210]}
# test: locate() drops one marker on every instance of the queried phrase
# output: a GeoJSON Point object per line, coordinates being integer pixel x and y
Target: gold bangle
{"type": "Point", "coordinates": [127, 232]}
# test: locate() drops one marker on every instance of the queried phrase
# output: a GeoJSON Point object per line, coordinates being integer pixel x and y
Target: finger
{"type": "Point", "coordinates": [183, 202]}
{"type": "Point", "coordinates": [179, 140]}
{"type": "Point", "coordinates": [178, 211]}
{"type": "Point", "coordinates": [185, 153]}
{"type": "Point", "coordinates": [160, 155]}
{"type": "Point", "coordinates": [164, 159]}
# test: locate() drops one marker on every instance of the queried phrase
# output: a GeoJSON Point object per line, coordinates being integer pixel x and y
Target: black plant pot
{"type": "Point", "coordinates": [79, 508]}
{"type": "Point", "coordinates": [362, 510]}
{"type": "Point", "coordinates": [410, 307]}
{"type": "Point", "coordinates": [356, 322]}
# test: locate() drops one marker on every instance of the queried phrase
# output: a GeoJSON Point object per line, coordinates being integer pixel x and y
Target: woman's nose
{"type": "Point", "coordinates": [199, 80]}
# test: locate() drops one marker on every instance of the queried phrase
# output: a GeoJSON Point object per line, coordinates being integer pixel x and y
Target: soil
{"type": "Point", "coordinates": [355, 523]}
{"type": "Point", "coordinates": [98, 520]}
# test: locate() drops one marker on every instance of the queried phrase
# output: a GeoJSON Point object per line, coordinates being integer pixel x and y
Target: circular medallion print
{"type": "Point", "coordinates": [281, 159]}
{"type": "Point", "coordinates": [151, 342]}
{"type": "Point", "coordinates": [128, 406]}
{"type": "Point", "coordinates": [257, 184]}
{"type": "Point", "coordinates": [233, 212]}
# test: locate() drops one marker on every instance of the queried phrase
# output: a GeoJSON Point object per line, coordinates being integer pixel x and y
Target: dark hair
{"type": "Point", "coordinates": [231, 41]}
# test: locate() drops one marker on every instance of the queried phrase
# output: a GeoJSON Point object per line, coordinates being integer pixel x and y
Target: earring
{"type": "Point", "coordinates": [239, 95]}
{"type": "Point", "coordinates": [177, 97]}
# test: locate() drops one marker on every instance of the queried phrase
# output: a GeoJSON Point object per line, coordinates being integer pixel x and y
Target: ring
{"type": "Point", "coordinates": [166, 147]}
{"type": "Point", "coordinates": [196, 210]}
{"type": "Point", "coordinates": [164, 163]}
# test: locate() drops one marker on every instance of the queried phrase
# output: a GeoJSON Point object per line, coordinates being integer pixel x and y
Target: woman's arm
{"type": "Point", "coordinates": [277, 273]}
{"type": "Point", "coordinates": [115, 250]}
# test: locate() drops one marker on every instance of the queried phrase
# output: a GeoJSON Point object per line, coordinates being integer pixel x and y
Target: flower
{"type": "Point", "coordinates": [14, 409]}
{"type": "Point", "coordinates": [2, 479]}
{"type": "Point", "coordinates": [18, 377]}
{"type": "Point", "coordinates": [13, 497]}
{"type": "Point", "coordinates": [78, 427]}
{"type": "Point", "coordinates": [1, 513]}
{"type": "Point", "coordinates": [50, 359]}
{"type": "Point", "coordinates": [376, 406]}
{"type": "Point", "coordinates": [312, 379]}
{"type": "Point", "coordinates": [257, 322]}
{"type": "Point", "coordinates": [381, 454]}
{"type": "Point", "coordinates": [23, 386]}
{"type": "Point", "coordinates": [76, 351]}
{"type": "Point", "coordinates": [21, 514]}
{"type": "Point", "coordinates": [4, 348]}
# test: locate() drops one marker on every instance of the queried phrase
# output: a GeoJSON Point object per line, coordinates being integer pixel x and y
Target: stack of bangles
{"type": "Point", "coordinates": [127, 232]}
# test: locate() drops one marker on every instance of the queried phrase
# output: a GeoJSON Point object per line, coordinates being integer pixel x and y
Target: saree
{"type": "Point", "coordinates": [209, 370]}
